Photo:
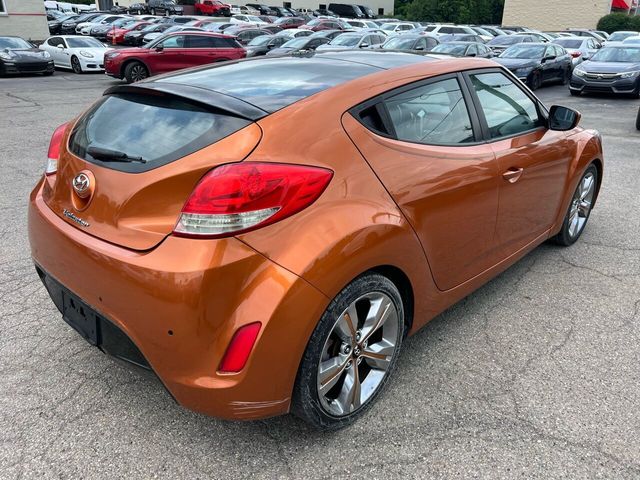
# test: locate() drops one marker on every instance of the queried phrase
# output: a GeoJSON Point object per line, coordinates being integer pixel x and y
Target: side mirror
{"type": "Point", "coordinates": [419, 47]}
{"type": "Point", "coordinates": [364, 45]}
{"type": "Point", "coordinates": [159, 48]}
{"type": "Point", "coordinates": [548, 57]}
{"type": "Point", "coordinates": [61, 47]}
{"type": "Point", "coordinates": [598, 46]}
{"type": "Point", "coordinates": [472, 55]}
{"type": "Point", "coordinates": [563, 118]}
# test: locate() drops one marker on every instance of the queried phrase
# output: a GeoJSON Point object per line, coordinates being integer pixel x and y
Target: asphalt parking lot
{"type": "Point", "coordinates": [536, 375]}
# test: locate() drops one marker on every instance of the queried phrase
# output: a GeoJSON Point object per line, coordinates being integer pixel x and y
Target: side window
{"type": "Point", "coordinates": [55, 41]}
{"type": "Point", "coordinates": [422, 42]}
{"type": "Point", "coordinates": [473, 50]}
{"type": "Point", "coordinates": [431, 43]}
{"type": "Point", "coordinates": [434, 113]}
{"type": "Point", "coordinates": [200, 41]}
{"type": "Point", "coordinates": [446, 30]}
{"type": "Point", "coordinates": [176, 41]}
{"type": "Point", "coordinates": [507, 109]}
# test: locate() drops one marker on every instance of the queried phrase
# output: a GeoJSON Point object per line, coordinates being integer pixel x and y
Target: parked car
{"type": "Point", "coordinates": [450, 29]}
{"type": "Point", "coordinates": [359, 23]}
{"type": "Point", "coordinates": [299, 44]}
{"type": "Point", "coordinates": [397, 28]}
{"type": "Point", "coordinates": [325, 12]}
{"type": "Point", "coordinates": [262, 8]}
{"type": "Point", "coordinates": [461, 37]}
{"type": "Point", "coordinates": [353, 40]}
{"type": "Point", "coordinates": [620, 36]}
{"type": "Point", "coordinates": [138, 8]}
{"type": "Point", "coordinates": [247, 20]}
{"type": "Point", "coordinates": [164, 7]}
{"type": "Point", "coordinates": [244, 9]}
{"type": "Point", "coordinates": [580, 32]}
{"type": "Point", "coordinates": [69, 25]}
{"type": "Point", "coordinates": [613, 69]}
{"type": "Point", "coordinates": [328, 34]}
{"type": "Point", "coordinates": [367, 11]}
{"type": "Point", "coordinates": [274, 29]}
{"type": "Point", "coordinates": [55, 25]}
{"type": "Point", "coordinates": [347, 10]}
{"type": "Point", "coordinates": [484, 34]}
{"type": "Point", "coordinates": [177, 19]}
{"type": "Point", "coordinates": [326, 24]}
{"type": "Point", "coordinates": [245, 34]}
{"type": "Point", "coordinates": [580, 48]}
{"type": "Point", "coordinates": [493, 30]}
{"type": "Point", "coordinates": [135, 38]}
{"type": "Point", "coordinates": [290, 22]}
{"type": "Point", "coordinates": [517, 29]}
{"type": "Point", "coordinates": [19, 56]}
{"type": "Point", "coordinates": [171, 52]}
{"type": "Point", "coordinates": [116, 36]}
{"type": "Point", "coordinates": [290, 33]}
{"type": "Point", "coordinates": [267, 18]}
{"type": "Point", "coordinates": [100, 31]}
{"type": "Point", "coordinates": [632, 41]}
{"type": "Point", "coordinates": [156, 34]}
{"type": "Point", "coordinates": [75, 52]}
{"type": "Point", "coordinates": [280, 11]}
{"type": "Point", "coordinates": [464, 49]}
{"type": "Point", "coordinates": [537, 63]}
{"type": "Point", "coordinates": [212, 7]}
{"type": "Point", "coordinates": [537, 36]}
{"type": "Point", "coordinates": [411, 43]}
{"type": "Point", "coordinates": [83, 28]}
{"type": "Point", "coordinates": [502, 42]}
{"type": "Point", "coordinates": [196, 197]}
{"type": "Point", "coordinates": [263, 44]}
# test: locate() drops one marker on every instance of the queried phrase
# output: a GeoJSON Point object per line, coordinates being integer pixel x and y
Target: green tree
{"type": "Point", "coordinates": [615, 21]}
{"type": "Point", "coordinates": [456, 11]}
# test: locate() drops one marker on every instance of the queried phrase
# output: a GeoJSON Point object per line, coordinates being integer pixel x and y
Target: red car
{"type": "Point", "coordinates": [212, 7]}
{"type": "Point", "coordinates": [289, 22]}
{"type": "Point", "coordinates": [171, 52]}
{"type": "Point", "coordinates": [117, 34]}
{"type": "Point", "coordinates": [323, 24]}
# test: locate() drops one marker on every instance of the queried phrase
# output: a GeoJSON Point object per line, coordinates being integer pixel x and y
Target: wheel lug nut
{"type": "Point", "coordinates": [358, 335]}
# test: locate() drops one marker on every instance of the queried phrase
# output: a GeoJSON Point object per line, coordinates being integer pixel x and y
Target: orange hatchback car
{"type": "Point", "coordinates": [264, 234]}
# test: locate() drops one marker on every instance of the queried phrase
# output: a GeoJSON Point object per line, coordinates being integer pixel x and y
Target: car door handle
{"type": "Point", "coordinates": [513, 174]}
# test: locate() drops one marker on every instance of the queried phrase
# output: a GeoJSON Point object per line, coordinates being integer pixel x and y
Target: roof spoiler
{"type": "Point", "coordinates": [210, 98]}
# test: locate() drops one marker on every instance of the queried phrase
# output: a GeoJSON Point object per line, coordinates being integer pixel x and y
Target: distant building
{"type": "Point", "coordinates": [556, 15]}
{"type": "Point", "coordinates": [24, 18]}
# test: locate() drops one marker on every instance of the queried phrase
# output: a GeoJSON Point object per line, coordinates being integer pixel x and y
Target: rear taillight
{"type": "Point", "coordinates": [54, 150]}
{"type": "Point", "coordinates": [239, 197]}
{"type": "Point", "coordinates": [576, 54]}
{"type": "Point", "coordinates": [239, 348]}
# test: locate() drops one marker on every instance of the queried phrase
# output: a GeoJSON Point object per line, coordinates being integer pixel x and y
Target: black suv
{"type": "Point", "coordinates": [262, 8]}
{"type": "Point", "coordinates": [164, 7]}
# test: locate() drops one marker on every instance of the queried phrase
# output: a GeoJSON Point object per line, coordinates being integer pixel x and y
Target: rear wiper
{"type": "Point", "coordinates": [108, 155]}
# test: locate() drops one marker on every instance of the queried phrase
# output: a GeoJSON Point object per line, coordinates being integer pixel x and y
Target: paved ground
{"type": "Point", "coordinates": [536, 375]}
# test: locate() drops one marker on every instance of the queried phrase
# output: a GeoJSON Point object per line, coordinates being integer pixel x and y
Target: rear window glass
{"type": "Point", "coordinates": [158, 129]}
{"type": "Point", "coordinates": [274, 83]}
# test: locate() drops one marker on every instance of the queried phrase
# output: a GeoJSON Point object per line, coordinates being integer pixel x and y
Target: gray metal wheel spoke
{"type": "Point", "coordinates": [349, 398]}
{"type": "Point", "coordinates": [379, 354]}
{"type": "Point", "coordinates": [348, 324]}
{"type": "Point", "coordinates": [329, 372]}
{"type": "Point", "coordinates": [378, 314]}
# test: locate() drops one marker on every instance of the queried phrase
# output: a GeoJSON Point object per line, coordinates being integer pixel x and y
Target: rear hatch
{"type": "Point", "coordinates": [179, 134]}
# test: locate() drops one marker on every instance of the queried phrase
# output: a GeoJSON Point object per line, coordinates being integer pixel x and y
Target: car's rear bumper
{"type": "Point", "coordinates": [622, 86]}
{"type": "Point", "coordinates": [181, 303]}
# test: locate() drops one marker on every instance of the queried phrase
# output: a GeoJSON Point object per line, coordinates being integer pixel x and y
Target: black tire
{"type": "Point", "coordinates": [534, 81]}
{"type": "Point", "coordinates": [638, 120]}
{"type": "Point", "coordinates": [135, 71]}
{"type": "Point", "coordinates": [566, 76]}
{"type": "Point", "coordinates": [75, 65]}
{"type": "Point", "coordinates": [565, 237]}
{"type": "Point", "coordinates": [574, 93]}
{"type": "Point", "coordinates": [306, 401]}
{"type": "Point", "coordinates": [47, 74]}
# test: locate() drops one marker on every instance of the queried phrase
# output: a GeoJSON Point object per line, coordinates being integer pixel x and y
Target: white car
{"type": "Point", "coordinates": [247, 19]}
{"type": "Point", "coordinates": [358, 24]}
{"type": "Point", "coordinates": [438, 29]}
{"type": "Point", "coordinates": [78, 53]}
{"type": "Point", "coordinates": [396, 28]}
{"type": "Point", "coordinates": [243, 10]}
{"type": "Point", "coordinates": [580, 48]}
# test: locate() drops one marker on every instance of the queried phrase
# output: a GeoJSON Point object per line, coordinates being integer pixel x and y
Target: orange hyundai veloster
{"type": "Point", "coordinates": [264, 234]}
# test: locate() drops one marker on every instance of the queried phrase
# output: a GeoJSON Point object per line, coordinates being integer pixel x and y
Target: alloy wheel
{"type": "Point", "coordinates": [357, 353]}
{"type": "Point", "coordinates": [75, 65]}
{"type": "Point", "coordinates": [581, 204]}
{"type": "Point", "coordinates": [138, 72]}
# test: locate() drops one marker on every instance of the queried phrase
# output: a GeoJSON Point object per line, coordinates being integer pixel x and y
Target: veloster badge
{"type": "Point", "coordinates": [75, 218]}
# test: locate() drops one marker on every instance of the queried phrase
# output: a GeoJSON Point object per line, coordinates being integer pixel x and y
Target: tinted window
{"type": "Point", "coordinates": [282, 81]}
{"type": "Point", "coordinates": [432, 114]}
{"type": "Point", "coordinates": [202, 41]}
{"type": "Point", "coordinates": [177, 41]}
{"type": "Point", "coordinates": [446, 30]}
{"type": "Point", "coordinates": [507, 109]}
{"type": "Point", "coordinates": [55, 41]}
{"type": "Point", "coordinates": [158, 129]}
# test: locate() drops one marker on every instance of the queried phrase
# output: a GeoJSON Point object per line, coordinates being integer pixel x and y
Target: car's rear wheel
{"type": "Point", "coordinates": [75, 65]}
{"type": "Point", "coordinates": [566, 76]}
{"type": "Point", "coordinates": [638, 120]}
{"type": "Point", "coordinates": [535, 80]}
{"type": "Point", "coordinates": [579, 209]}
{"type": "Point", "coordinates": [135, 71]}
{"type": "Point", "coordinates": [351, 353]}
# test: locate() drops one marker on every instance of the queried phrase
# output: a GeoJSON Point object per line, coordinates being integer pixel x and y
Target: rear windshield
{"type": "Point", "coordinates": [272, 84]}
{"type": "Point", "coordinates": [158, 129]}
{"type": "Point", "coordinates": [568, 42]}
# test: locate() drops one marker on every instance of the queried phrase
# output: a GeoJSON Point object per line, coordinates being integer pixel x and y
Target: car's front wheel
{"type": "Point", "coordinates": [350, 354]}
{"type": "Point", "coordinates": [135, 71]}
{"type": "Point", "coordinates": [75, 65]}
{"type": "Point", "coordinates": [580, 208]}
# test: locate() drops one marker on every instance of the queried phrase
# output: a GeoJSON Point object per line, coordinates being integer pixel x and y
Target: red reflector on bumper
{"type": "Point", "coordinates": [239, 348]}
